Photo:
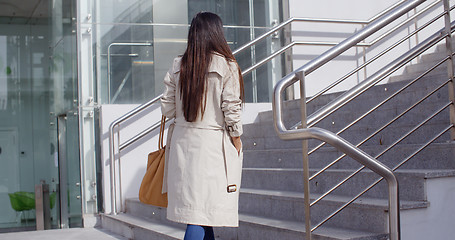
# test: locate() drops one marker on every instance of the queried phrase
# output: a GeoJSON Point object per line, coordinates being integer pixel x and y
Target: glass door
{"type": "Point", "coordinates": [69, 171]}
{"type": "Point", "coordinates": [38, 83]}
{"type": "Point", "coordinates": [27, 125]}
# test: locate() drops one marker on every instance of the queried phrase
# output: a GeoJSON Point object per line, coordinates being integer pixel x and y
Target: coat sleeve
{"type": "Point", "coordinates": [231, 104]}
{"type": "Point", "coordinates": [168, 98]}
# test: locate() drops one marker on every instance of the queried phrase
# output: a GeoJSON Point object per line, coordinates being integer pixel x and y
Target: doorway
{"type": "Point", "coordinates": [69, 171]}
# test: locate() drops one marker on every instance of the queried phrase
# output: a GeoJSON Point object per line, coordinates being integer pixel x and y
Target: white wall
{"type": "Point", "coordinates": [436, 221]}
{"type": "Point", "coordinates": [134, 158]}
{"type": "Point", "coordinates": [330, 32]}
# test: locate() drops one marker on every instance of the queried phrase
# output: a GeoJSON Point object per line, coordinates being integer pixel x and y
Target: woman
{"type": "Point", "coordinates": [204, 93]}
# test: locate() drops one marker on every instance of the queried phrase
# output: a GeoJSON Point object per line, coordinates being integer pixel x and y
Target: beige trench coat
{"type": "Point", "coordinates": [202, 160]}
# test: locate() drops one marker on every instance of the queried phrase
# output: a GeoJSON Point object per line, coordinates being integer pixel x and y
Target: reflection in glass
{"type": "Point", "coordinates": [37, 83]}
{"type": "Point", "coordinates": [27, 156]}
{"type": "Point", "coordinates": [135, 72]}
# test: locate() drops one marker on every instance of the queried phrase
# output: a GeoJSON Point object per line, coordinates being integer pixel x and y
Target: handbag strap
{"type": "Point", "coordinates": [161, 136]}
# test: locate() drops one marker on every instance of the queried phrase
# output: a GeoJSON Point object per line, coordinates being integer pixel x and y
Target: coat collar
{"type": "Point", "coordinates": [218, 65]}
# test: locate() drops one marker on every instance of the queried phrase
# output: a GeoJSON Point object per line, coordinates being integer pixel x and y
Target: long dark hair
{"type": "Point", "coordinates": [205, 37]}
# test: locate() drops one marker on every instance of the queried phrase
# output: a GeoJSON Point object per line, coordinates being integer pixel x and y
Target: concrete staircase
{"type": "Point", "coordinates": [271, 199]}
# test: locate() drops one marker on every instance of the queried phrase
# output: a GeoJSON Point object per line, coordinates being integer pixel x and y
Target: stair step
{"type": "Point", "coordinates": [355, 136]}
{"type": "Point", "coordinates": [437, 73]}
{"type": "Point", "coordinates": [251, 226]}
{"type": "Point", "coordinates": [412, 181]}
{"type": "Point", "coordinates": [256, 227]}
{"type": "Point", "coordinates": [133, 227]}
{"type": "Point", "coordinates": [372, 121]}
{"type": "Point", "coordinates": [424, 66]}
{"type": "Point", "coordinates": [433, 57]}
{"type": "Point", "coordinates": [292, 158]}
{"type": "Point", "coordinates": [373, 96]}
{"type": "Point", "coordinates": [441, 47]}
{"type": "Point", "coordinates": [361, 202]}
{"type": "Point", "coordinates": [366, 214]}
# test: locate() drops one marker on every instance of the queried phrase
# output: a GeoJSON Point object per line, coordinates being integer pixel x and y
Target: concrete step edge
{"type": "Point", "coordinates": [362, 202]}
{"type": "Point", "coordinates": [148, 224]}
{"type": "Point", "coordinates": [423, 173]}
{"type": "Point", "coordinates": [328, 232]}
{"type": "Point", "coordinates": [328, 147]}
{"type": "Point", "coordinates": [435, 106]}
{"type": "Point", "coordinates": [430, 63]}
{"type": "Point", "coordinates": [287, 225]}
{"type": "Point", "coordinates": [412, 75]}
{"type": "Point", "coordinates": [295, 103]}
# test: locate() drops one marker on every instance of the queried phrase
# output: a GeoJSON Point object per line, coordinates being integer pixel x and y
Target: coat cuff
{"type": "Point", "coordinates": [235, 130]}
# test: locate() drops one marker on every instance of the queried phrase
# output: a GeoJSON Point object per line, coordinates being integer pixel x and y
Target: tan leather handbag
{"type": "Point", "coordinates": [152, 183]}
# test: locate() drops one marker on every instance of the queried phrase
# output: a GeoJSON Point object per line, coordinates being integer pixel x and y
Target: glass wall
{"type": "Point", "coordinates": [37, 84]}
{"type": "Point", "coordinates": [63, 59]}
{"type": "Point", "coordinates": [27, 156]}
{"type": "Point", "coordinates": [135, 42]}
{"type": "Point", "coordinates": [65, 104]}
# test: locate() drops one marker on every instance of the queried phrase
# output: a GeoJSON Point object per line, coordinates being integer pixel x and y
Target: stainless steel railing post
{"type": "Point", "coordinates": [112, 149]}
{"type": "Point", "coordinates": [450, 71]}
{"type": "Point", "coordinates": [112, 170]}
{"type": "Point", "coordinates": [394, 206]}
{"type": "Point", "coordinates": [306, 164]}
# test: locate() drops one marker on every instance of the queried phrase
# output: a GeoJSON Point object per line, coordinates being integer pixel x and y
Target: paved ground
{"type": "Point", "coordinates": [62, 234]}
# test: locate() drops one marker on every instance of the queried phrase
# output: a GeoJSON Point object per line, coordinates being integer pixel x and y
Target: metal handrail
{"type": "Point", "coordinates": [347, 43]}
{"type": "Point", "coordinates": [386, 150]}
{"type": "Point", "coordinates": [384, 126]}
{"type": "Point", "coordinates": [112, 150]}
{"type": "Point", "coordinates": [378, 76]}
{"type": "Point", "coordinates": [380, 104]}
{"type": "Point", "coordinates": [347, 148]}
{"type": "Point", "coordinates": [445, 33]}
{"type": "Point", "coordinates": [332, 139]}
{"type": "Point", "coordinates": [331, 86]}
{"type": "Point", "coordinates": [320, 43]}
{"type": "Point", "coordinates": [139, 136]}
{"type": "Point", "coordinates": [320, 20]}
{"type": "Point", "coordinates": [409, 19]}
{"type": "Point", "coordinates": [379, 155]}
{"type": "Point", "coordinates": [380, 179]}
{"type": "Point", "coordinates": [282, 25]}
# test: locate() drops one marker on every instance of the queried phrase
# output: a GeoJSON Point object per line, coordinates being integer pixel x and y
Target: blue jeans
{"type": "Point", "coordinates": [196, 232]}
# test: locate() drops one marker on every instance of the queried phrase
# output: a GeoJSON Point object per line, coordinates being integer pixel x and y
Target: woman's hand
{"type": "Point", "coordinates": [237, 143]}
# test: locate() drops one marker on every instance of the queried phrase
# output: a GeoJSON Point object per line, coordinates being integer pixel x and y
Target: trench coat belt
{"type": "Point", "coordinates": [170, 130]}
{"type": "Point", "coordinates": [228, 167]}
